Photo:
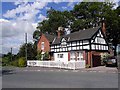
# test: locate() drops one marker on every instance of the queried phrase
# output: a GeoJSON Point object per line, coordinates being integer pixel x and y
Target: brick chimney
{"type": "Point", "coordinates": [60, 29]}
{"type": "Point", "coordinates": [103, 27]}
{"type": "Point", "coordinates": [58, 32]}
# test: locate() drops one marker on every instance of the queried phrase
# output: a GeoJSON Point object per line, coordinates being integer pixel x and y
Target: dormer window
{"type": "Point", "coordinates": [63, 42]}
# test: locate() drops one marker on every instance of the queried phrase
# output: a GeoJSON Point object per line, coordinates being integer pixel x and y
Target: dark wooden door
{"type": "Point", "coordinates": [96, 60]}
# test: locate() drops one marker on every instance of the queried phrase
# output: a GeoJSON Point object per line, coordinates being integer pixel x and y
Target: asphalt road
{"type": "Point", "coordinates": [58, 79]}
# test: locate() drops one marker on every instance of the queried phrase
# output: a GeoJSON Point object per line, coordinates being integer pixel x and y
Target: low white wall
{"type": "Point", "coordinates": [57, 64]}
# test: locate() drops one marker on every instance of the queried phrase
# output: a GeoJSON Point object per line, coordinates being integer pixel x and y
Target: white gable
{"type": "Point", "coordinates": [99, 39]}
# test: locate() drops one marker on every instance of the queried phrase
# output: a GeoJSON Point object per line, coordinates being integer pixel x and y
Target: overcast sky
{"type": "Point", "coordinates": [21, 17]}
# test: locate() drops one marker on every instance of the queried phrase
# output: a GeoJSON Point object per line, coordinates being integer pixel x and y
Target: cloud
{"type": "Point", "coordinates": [71, 4]}
{"type": "Point", "coordinates": [42, 17]}
{"type": "Point", "coordinates": [21, 20]}
{"type": "Point", "coordinates": [47, 8]}
{"type": "Point", "coordinates": [18, 2]}
{"type": "Point", "coordinates": [25, 10]}
{"type": "Point", "coordinates": [13, 33]}
{"type": "Point", "coordinates": [64, 8]}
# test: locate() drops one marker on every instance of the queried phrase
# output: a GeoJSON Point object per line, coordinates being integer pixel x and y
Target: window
{"type": "Point", "coordinates": [60, 55]}
{"type": "Point", "coordinates": [63, 43]}
{"type": "Point", "coordinates": [100, 40]}
{"type": "Point", "coordinates": [42, 45]}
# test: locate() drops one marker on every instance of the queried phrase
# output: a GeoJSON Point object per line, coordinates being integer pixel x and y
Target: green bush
{"type": "Point", "coordinates": [14, 63]}
{"type": "Point", "coordinates": [39, 55]}
{"type": "Point", "coordinates": [5, 61]}
{"type": "Point", "coordinates": [21, 62]}
{"type": "Point", "coordinates": [46, 56]}
{"type": "Point", "coordinates": [104, 57]}
{"type": "Point", "coordinates": [87, 66]}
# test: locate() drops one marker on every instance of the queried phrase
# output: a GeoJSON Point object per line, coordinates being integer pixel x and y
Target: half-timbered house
{"type": "Point", "coordinates": [81, 45]}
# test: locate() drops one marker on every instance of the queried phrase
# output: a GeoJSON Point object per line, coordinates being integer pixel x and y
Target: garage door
{"type": "Point", "coordinates": [96, 60]}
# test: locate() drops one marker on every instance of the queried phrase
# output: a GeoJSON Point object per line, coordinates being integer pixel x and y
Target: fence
{"type": "Point", "coordinates": [57, 64]}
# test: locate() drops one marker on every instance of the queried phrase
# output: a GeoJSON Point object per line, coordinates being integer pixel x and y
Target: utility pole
{"type": "Point", "coordinates": [11, 53]}
{"type": "Point", "coordinates": [26, 45]}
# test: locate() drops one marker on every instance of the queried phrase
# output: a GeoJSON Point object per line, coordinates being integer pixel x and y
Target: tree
{"type": "Point", "coordinates": [90, 14]}
{"type": "Point", "coordinates": [113, 27]}
{"type": "Point", "coordinates": [55, 20]}
{"type": "Point", "coordinates": [36, 36]}
{"type": "Point", "coordinates": [31, 51]}
{"type": "Point", "coordinates": [6, 59]}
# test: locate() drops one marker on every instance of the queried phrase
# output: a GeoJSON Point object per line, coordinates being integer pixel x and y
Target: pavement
{"type": "Point", "coordinates": [100, 69]}
{"type": "Point", "coordinates": [103, 69]}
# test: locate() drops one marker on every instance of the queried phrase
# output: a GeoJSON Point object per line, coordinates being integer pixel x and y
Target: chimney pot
{"type": "Point", "coordinates": [60, 29]}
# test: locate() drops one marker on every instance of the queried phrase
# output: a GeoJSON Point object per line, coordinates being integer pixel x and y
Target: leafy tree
{"type": "Point", "coordinates": [31, 51]}
{"type": "Point", "coordinates": [36, 36]}
{"type": "Point", "coordinates": [113, 27]}
{"type": "Point", "coordinates": [89, 14]}
{"type": "Point", "coordinates": [6, 59]}
{"type": "Point", "coordinates": [55, 20]}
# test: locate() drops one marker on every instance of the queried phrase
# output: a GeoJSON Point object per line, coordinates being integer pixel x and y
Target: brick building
{"type": "Point", "coordinates": [44, 42]}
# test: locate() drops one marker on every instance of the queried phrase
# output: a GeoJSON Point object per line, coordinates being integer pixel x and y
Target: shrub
{"type": "Point", "coordinates": [5, 61]}
{"type": "Point", "coordinates": [46, 56]}
{"type": "Point", "coordinates": [39, 55]}
{"type": "Point", "coordinates": [87, 66]}
{"type": "Point", "coordinates": [104, 57]}
{"type": "Point", "coordinates": [21, 62]}
{"type": "Point", "coordinates": [14, 63]}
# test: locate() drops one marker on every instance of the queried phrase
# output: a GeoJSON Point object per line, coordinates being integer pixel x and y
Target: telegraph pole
{"type": "Point", "coordinates": [26, 45]}
{"type": "Point", "coordinates": [11, 53]}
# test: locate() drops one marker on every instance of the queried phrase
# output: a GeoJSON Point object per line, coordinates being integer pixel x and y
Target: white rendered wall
{"type": "Point", "coordinates": [86, 47]}
{"type": "Point", "coordinates": [64, 59]}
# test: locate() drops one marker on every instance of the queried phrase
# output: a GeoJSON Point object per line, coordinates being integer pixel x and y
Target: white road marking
{"type": "Point", "coordinates": [75, 71]}
{"type": "Point", "coordinates": [101, 71]}
{"type": "Point", "coordinates": [65, 70]}
{"type": "Point", "coordinates": [83, 71]}
{"type": "Point", "coordinates": [51, 70]}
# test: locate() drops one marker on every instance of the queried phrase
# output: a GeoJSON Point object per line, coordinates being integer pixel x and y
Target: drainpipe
{"type": "Point", "coordinates": [91, 59]}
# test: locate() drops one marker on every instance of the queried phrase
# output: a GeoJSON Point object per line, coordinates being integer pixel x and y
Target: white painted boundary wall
{"type": "Point", "coordinates": [57, 64]}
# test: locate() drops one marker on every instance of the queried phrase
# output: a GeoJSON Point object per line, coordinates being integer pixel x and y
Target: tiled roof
{"type": "Point", "coordinates": [79, 35]}
{"type": "Point", "coordinates": [49, 37]}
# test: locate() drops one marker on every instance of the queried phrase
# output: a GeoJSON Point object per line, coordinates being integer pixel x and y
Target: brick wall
{"type": "Point", "coordinates": [46, 44]}
{"type": "Point", "coordinates": [90, 56]}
